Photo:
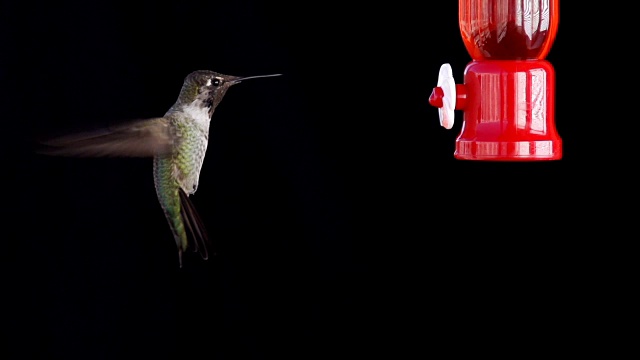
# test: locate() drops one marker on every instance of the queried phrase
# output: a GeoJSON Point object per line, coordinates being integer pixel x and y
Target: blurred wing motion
{"type": "Point", "coordinates": [140, 138]}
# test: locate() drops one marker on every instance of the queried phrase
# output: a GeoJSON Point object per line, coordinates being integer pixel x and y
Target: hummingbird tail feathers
{"type": "Point", "coordinates": [193, 222]}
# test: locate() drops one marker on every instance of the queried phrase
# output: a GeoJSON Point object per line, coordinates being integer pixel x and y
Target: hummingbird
{"type": "Point", "coordinates": [177, 143]}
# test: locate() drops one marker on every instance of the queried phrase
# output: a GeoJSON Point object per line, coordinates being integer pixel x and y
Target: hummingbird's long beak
{"type": "Point", "coordinates": [235, 81]}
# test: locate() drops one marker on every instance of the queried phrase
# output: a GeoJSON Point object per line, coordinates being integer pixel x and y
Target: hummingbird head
{"type": "Point", "coordinates": [205, 89]}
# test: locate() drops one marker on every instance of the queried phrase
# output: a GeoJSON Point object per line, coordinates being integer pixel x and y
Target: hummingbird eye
{"type": "Point", "coordinates": [213, 82]}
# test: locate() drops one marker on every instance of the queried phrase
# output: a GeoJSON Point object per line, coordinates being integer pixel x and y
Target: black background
{"type": "Point", "coordinates": [343, 224]}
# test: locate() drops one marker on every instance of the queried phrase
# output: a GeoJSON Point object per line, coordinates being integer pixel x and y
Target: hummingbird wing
{"type": "Point", "coordinates": [194, 223]}
{"type": "Point", "coordinates": [139, 138]}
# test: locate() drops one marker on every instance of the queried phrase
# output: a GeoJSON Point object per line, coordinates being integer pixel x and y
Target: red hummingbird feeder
{"type": "Point", "coordinates": [508, 95]}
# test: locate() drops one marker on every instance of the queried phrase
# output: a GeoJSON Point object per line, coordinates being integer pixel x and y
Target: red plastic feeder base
{"type": "Point", "coordinates": [509, 112]}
